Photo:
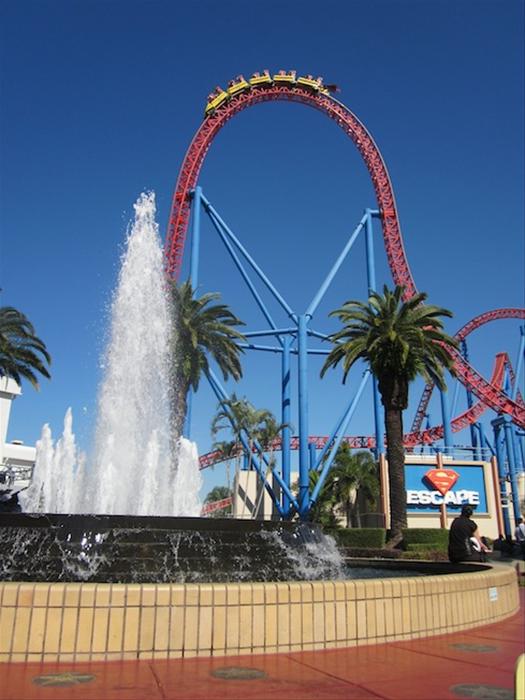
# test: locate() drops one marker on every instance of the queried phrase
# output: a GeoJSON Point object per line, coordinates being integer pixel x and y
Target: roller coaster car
{"type": "Point", "coordinates": [284, 77]}
{"type": "Point", "coordinates": [310, 82]}
{"type": "Point", "coordinates": [264, 79]}
{"type": "Point", "coordinates": [215, 99]}
{"type": "Point", "coordinates": [237, 85]}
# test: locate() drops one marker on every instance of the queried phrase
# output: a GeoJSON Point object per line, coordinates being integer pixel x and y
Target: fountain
{"type": "Point", "coordinates": [108, 561]}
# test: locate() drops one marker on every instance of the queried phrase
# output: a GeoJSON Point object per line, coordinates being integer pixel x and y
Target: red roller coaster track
{"type": "Point", "coordinates": [489, 394]}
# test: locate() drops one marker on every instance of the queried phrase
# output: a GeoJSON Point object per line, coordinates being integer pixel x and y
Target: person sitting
{"type": "Point", "coordinates": [463, 532]}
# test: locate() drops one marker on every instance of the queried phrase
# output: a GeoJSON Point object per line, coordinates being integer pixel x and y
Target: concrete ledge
{"type": "Point", "coordinates": [69, 622]}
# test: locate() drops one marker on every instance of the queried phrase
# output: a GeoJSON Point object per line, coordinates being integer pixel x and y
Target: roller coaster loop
{"type": "Point", "coordinates": [489, 394]}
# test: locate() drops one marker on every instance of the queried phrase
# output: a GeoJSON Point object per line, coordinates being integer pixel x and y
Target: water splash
{"type": "Point", "coordinates": [137, 467]}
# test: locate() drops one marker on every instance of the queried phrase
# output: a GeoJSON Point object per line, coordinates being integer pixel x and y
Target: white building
{"type": "Point", "coordinates": [16, 459]}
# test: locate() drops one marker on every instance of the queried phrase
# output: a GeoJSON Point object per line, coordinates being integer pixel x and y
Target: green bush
{"type": "Point", "coordinates": [426, 535]}
{"type": "Point", "coordinates": [425, 554]}
{"type": "Point", "coordinates": [368, 538]}
{"type": "Point", "coordinates": [427, 547]}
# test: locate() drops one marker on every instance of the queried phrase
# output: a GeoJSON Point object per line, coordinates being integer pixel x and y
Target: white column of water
{"type": "Point", "coordinates": [137, 467]}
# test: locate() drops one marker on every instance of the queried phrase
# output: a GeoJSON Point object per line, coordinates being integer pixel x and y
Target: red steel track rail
{"type": "Point", "coordinates": [489, 394]}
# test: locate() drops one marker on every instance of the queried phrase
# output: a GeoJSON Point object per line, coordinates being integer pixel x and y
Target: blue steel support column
{"type": "Point", "coordinates": [312, 450]}
{"type": "Point", "coordinates": [447, 432]}
{"type": "Point", "coordinates": [302, 340]}
{"type": "Point", "coordinates": [498, 446]}
{"type": "Point", "coordinates": [194, 279]}
{"type": "Point", "coordinates": [470, 402]}
{"type": "Point", "coordinates": [379, 420]}
{"type": "Point", "coordinates": [509, 442]}
{"type": "Point", "coordinates": [285, 418]}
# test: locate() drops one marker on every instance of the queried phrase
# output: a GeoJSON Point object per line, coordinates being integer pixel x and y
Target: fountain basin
{"type": "Point", "coordinates": [50, 621]}
{"type": "Point", "coordinates": [66, 622]}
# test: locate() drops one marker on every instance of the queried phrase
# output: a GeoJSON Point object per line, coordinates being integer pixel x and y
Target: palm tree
{"type": "Point", "coordinates": [219, 493]}
{"type": "Point", "coordinates": [22, 353]}
{"type": "Point", "coordinates": [201, 329]}
{"type": "Point", "coordinates": [354, 477]}
{"type": "Point", "coordinates": [400, 340]}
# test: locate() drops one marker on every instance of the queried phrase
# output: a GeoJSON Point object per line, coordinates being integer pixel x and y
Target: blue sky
{"type": "Point", "coordinates": [99, 101]}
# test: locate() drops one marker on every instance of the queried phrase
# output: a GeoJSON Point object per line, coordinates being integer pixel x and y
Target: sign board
{"type": "Point", "coordinates": [427, 489]}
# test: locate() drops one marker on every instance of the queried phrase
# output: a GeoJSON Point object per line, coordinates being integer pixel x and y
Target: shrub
{"type": "Point", "coordinates": [426, 547]}
{"type": "Point", "coordinates": [425, 554]}
{"type": "Point", "coordinates": [426, 535]}
{"type": "Point", "coordinates": [362, 552]}
{"type": "Point", "coordinates": [365, 538]}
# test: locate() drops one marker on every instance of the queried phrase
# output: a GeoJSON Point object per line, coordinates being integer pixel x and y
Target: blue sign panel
{"type": "Point", "coordinates": [422, 497]}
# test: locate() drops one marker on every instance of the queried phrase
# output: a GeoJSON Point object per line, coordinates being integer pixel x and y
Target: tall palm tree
{"type": "Point", "coordinates": [22, 353]}
{"type": "Point", "coordinates": [354, 477]}
{"type": "Point", "coordinates": [201, 329]}
{"type": "Point", "coordinates": [400, 340]}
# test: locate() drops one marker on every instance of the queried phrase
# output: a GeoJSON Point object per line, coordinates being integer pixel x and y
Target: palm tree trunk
{"type": "Point", "coordinates": [396, 474]}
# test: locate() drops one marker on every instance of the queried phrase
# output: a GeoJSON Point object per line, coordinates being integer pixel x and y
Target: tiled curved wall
{"type": "Point", "coordinates": [82, 622]}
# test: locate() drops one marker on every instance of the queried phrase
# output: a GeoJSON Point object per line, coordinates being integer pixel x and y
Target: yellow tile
{"type": "Point", "coordinates": [406, 618]}
{"type": "Point", "coordinates": [219, 594]}
{"type": "Point", "coordinates": [40, 595]}
{"type": "Point", "coordinates": [270, 624]}
{"type": "Point", "coordinates": [21, 630]}
{"type": "Point", "coordinates": [206, 594]}
{"type": "Point", "coordinates": [232, 594]}
{"type": "Point", "coordinates": [258, 631]}
{"type": "Point", "coordinates": [329, 621]}
{"type": "Point", "coordinates": [30, 658]}
{"type": "Point", "coordinates": [283, 626]}
{"type": "Point", "coordinates": [245, 627]}
{"type": "Point", "coordinates": [340, 619]}
{"type": "Point", "coordinates": [147, 629]}
{"type": "Point", "coordinates": [191, 629]}
{"type": "Point", "coordinates": [339, 588]}
{"type": "Point", "coordinates": [389, 616]}
{"type": "Point", "coordinates": [371, 621]}
{"type": "Point", "coordinates": [56, 595]}
{"type": "Point", "coordinates": [379, 613]}
{"type": "Point", "coordinates": [351, 619]}
{"type": "Point", "coordinates": [362, 632]}
{"type": "Point", "coordinates": [100, 630]}
{"type": "Point", "coordinates": [258, 593]}
{"type": "Point", "coordinates": [10, 593]}
{"type": "Point", "coordinates": [219, 627]}
{"type": "Point", "coordinates": [7, 619]}
{"type": "Point", "coordinates": [283, 593]}
{"type": "Point", "coordinates": [270, 593]}
{"type": "Point", "coordinates": [421, 608]}
{"type": "Point", "coordinates": [52, 634]}
{"type": "Point", "coordinates": [133, 594]}
{"type": "Point", "coordinates": [176, 628]}
{"type": "Point", "coordinates": [37, 631]}
{"type": "Point", "coordinates": [307, 594]}
{"type": "Point", "coordinates": [319, 622]}
{"type": "Point", "coordinates": [85, 630]}
{"type": "Point", "coordinates": [69, 630]}
{"type": "Point", "coordinates": [148, 595]}
{"type": "Point", "coordinates": [87, 595]}
{"type": "Point", "coordinates": [25, 595]}
{"type": "Point", "coordinates": [204, 641]}
{"type": "Point", "coordinates": [329, 590]}
{"type": "Point", "coordinates": [116, 629]}
{"type": "Point", "coordinates": [307, 622]}
{"type": "Point", "coordinates": [318, 591]}
{"type": "Point", "coordinates": [4, 657]}
{"type": "Point", "coordinates": [398, 616]}
{"type": "Point", "coordinates": [163, 594]}
{"type": "Point", "coordinates": [102, 595]}
{"type": "Point", "coordinates": [295, 592]}
{"type": "Point", "coordinates": [232, 627]}
{"type": "Point", "coordinates": [130, 641]}
{"type": "Point", "coordinates": [118, 595]}
{"type": "Point", "coordinates": [18, 657]}
{"type": "Point", "coordinates": [72, 595]}
{"type": "Point", "coordinates": [295, 623]}
{"type": "Point", "coordinates": [350, 590]}
{"type": "Point", "coordinates": [245, 593]}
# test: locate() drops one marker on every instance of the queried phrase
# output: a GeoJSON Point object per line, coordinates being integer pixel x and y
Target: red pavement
{"type": "Point", "coordinates": [479, 663]}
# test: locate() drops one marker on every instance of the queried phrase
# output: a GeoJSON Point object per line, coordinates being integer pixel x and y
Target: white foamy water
{"type": "Point", "coordinates": [137, 467]}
